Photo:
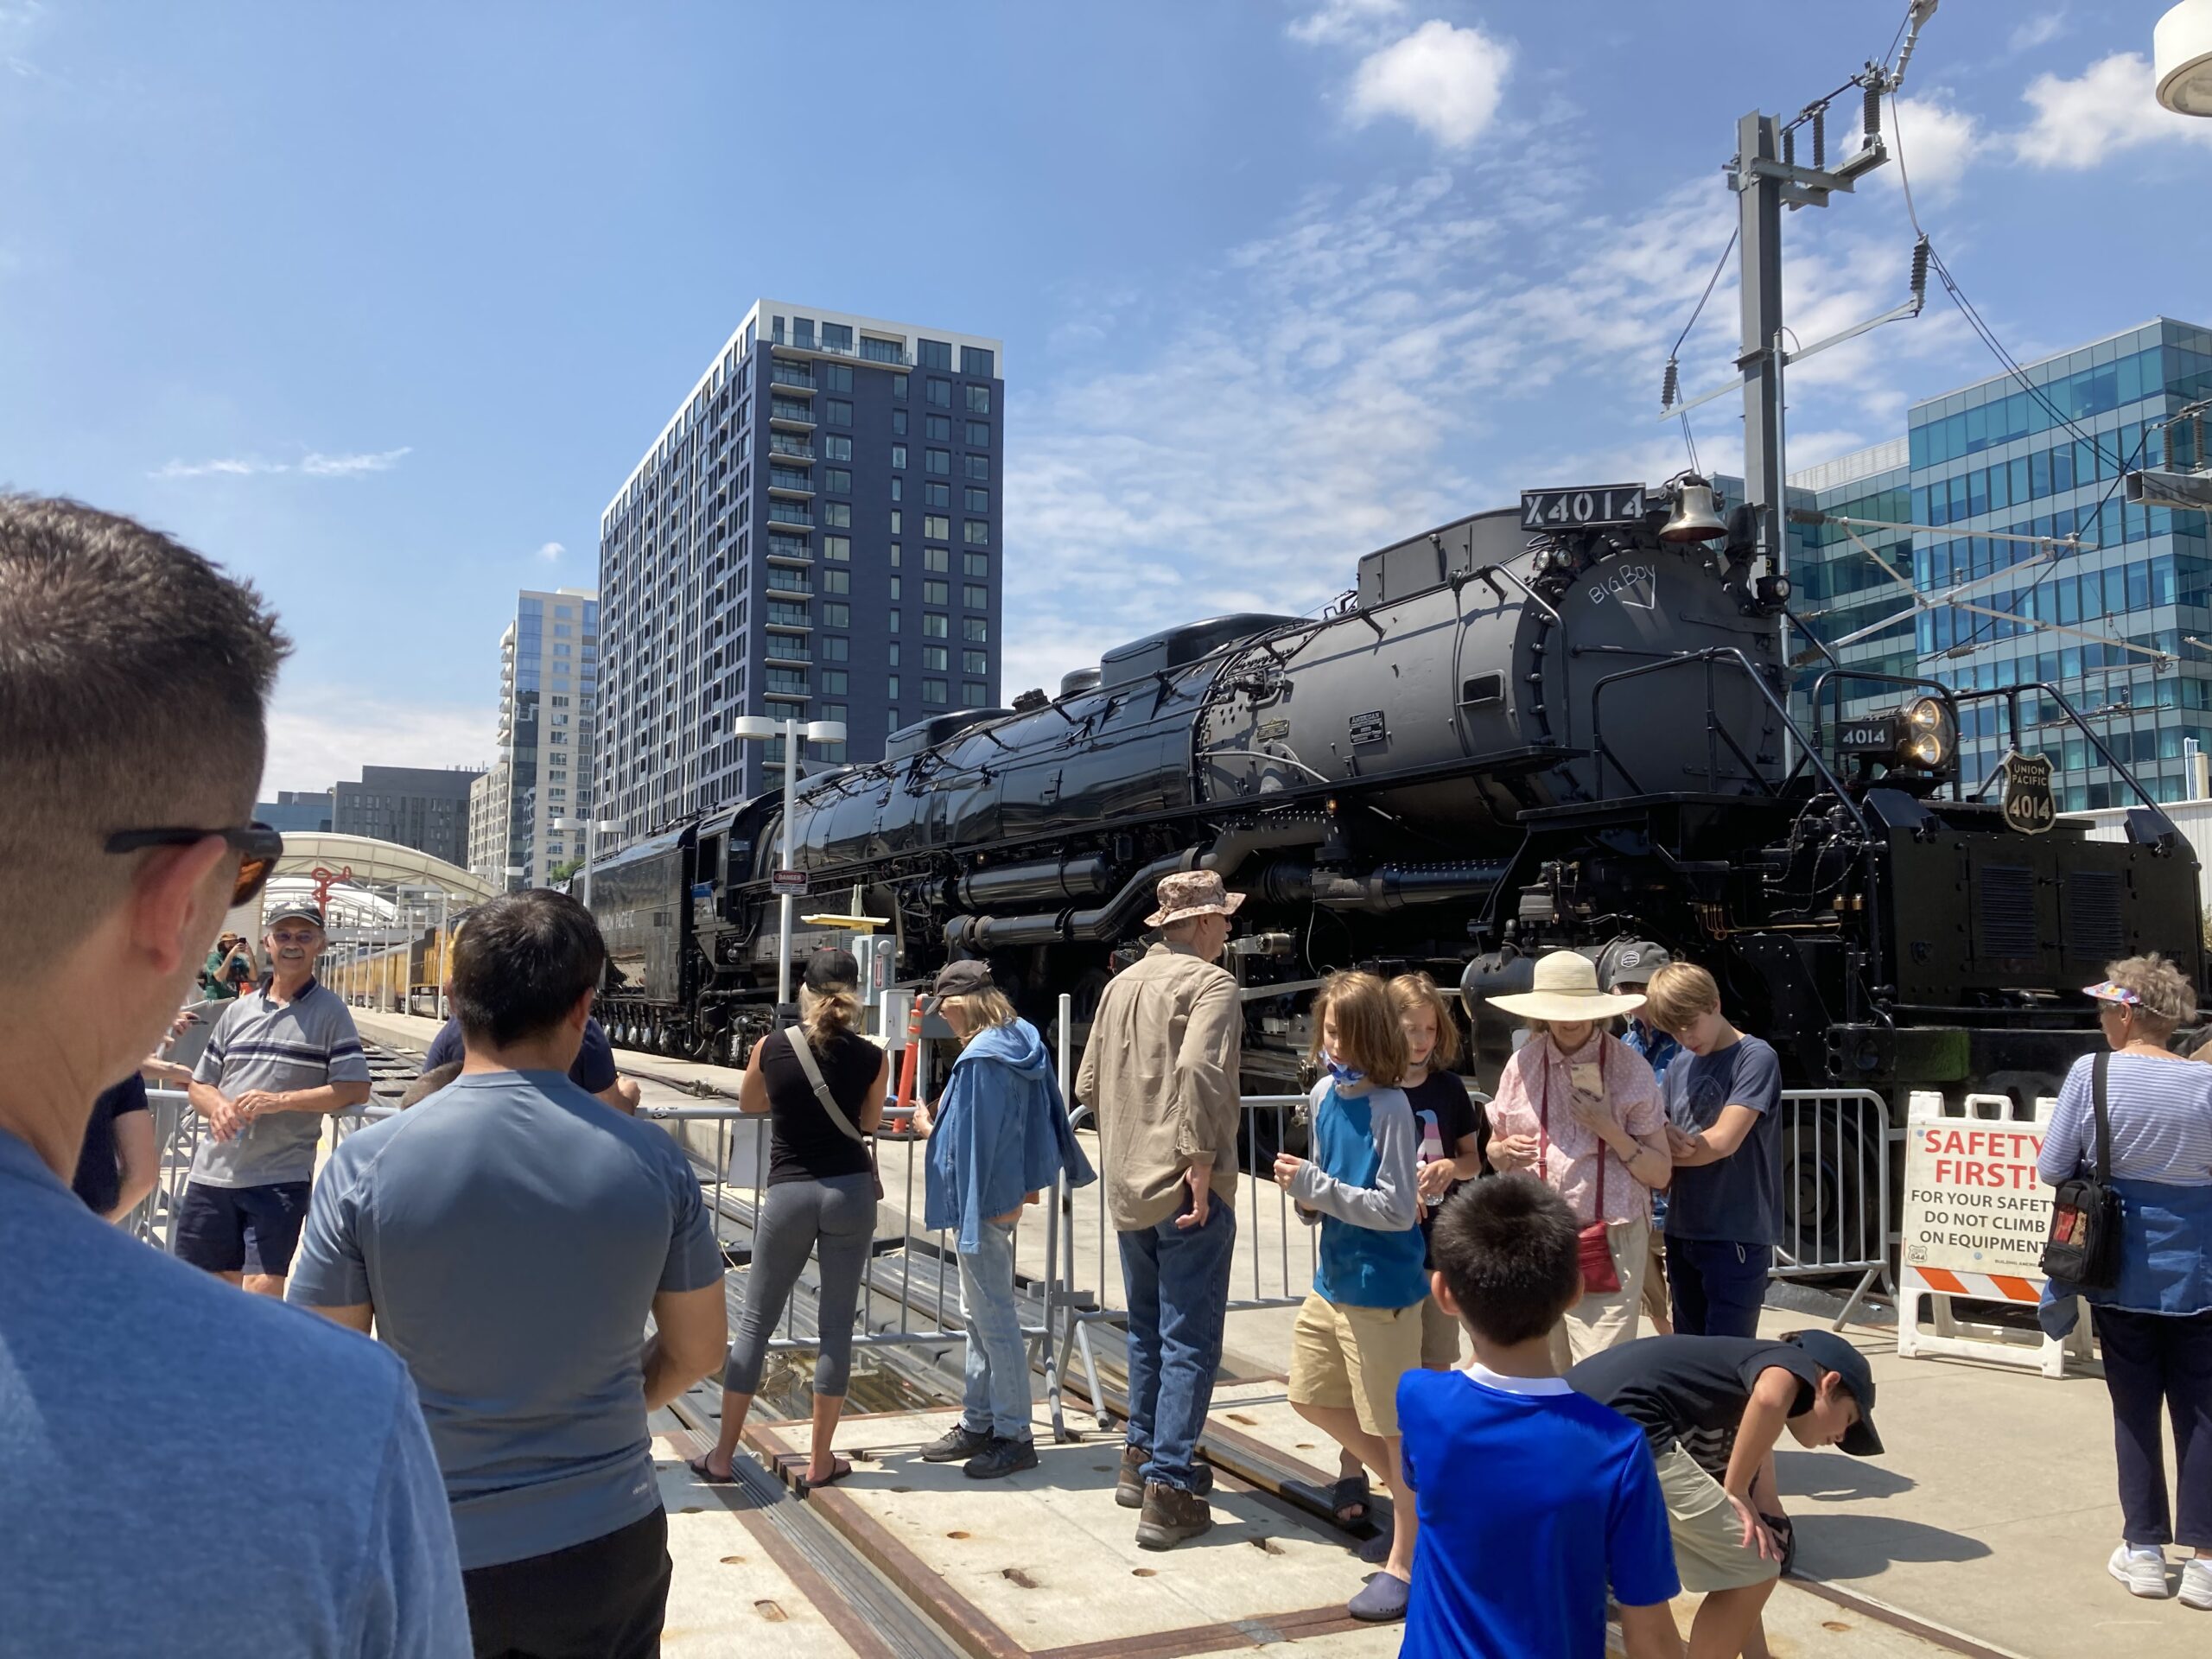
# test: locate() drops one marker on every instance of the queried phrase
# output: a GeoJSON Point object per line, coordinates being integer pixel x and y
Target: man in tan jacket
{"type": "Point", "coordinates": [1160, 1073]}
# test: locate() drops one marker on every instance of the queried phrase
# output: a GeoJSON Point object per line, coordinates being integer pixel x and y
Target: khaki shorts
{"type": "Point", "coordinates": [1709, 1551]}
{"type": "Point", "coordinates": [1440, 1337]}
{"type": "Point", "coordinates": [1352, 1358]}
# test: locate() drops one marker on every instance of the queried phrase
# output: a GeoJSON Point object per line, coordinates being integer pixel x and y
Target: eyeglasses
{"type": "Point", "coordinates": [258, 847]}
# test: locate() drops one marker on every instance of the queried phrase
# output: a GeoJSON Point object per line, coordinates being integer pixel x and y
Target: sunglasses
{"type": "Point", "coordinates": [258, 847]}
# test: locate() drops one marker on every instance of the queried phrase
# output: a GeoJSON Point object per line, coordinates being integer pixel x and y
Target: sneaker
{"type": "Point", "coordinates": [2142, 1569]}
{"type": "Point", "coordinates": [1129, 1490]}
{"type": "Point", "coordinates": [956, 1445]}
{"type": "Point", "coordinates": [1382, 1602]}
{"type": "Point", "coordinates": [2196, 1584]}
{"type": "Point", "coordinates": [1001, 1457]}
{"type": "Point", "coordinates": [1170, 1515]}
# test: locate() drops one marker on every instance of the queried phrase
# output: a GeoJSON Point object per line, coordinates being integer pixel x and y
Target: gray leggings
{"type": "Point", "coordinates": [835, 1221]}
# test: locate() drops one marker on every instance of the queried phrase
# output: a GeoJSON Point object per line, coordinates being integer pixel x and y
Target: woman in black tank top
{"type": "Point", "coordinates": [819, 1201]}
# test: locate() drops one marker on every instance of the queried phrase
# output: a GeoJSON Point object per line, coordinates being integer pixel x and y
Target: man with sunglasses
{"type": "Point", "coordinates": [158, 1423]}
{"type": "Point", "coordinates": [281, 1058]}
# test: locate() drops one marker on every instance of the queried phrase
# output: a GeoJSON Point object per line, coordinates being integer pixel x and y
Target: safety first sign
{"type": "Point", "coordinates": [1973, 1202]}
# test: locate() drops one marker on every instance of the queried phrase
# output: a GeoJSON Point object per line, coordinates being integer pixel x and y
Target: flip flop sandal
{"type": "Point", "coordinates": [839, 1468]}
{"type": "Point", "coordinates": [698, 1466]}
{"type": "Point", "coordinates": [1350, 1491]}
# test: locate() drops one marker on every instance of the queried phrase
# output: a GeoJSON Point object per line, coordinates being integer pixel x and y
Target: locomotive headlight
{"type": "Point", "coordinates": [1930, 736]}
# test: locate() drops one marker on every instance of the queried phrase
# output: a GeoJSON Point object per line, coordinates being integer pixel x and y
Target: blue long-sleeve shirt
{"type": "Point", "coordinates": [1001, 1133]}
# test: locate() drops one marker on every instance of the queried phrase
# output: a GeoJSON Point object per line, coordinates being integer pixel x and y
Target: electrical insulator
{"type": "Point", "coordinates": [1920, 271]}
{"type": "Point", "coordinates": [1873, 108]}
{"type": "Point", "coordinates": [1670, 387]}
{"type": "Point", "coordinates": [1789, 146]}
{"type": "Point", "coordinates": [1821, 138]}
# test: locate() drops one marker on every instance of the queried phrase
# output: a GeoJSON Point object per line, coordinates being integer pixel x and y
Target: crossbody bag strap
{"type": "Point", "coordinates": [2098, 1066]}
{"type": "Point", "coordinates": [803, 1052]}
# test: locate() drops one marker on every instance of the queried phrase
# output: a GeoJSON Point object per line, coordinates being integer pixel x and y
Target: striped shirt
{"type": "Point", "coordinates": [260, 1043]}
{"type": "Point", "coordinates": [2161, 1113]}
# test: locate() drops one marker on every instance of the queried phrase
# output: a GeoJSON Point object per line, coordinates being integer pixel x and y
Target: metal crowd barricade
{"type": "Point", "coordinates": [1836, 1143]}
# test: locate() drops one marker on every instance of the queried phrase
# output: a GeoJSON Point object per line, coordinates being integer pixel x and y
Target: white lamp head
{"type": "Point", "coordinates": [2181, 47]}
{"type": "Point", "coordinates": [754, 727]}
{"type": "Point", "coordinates": [825, 731]}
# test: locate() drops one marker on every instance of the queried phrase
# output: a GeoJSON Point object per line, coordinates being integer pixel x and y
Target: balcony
{"type": "Point", "coordinates": [786, 412]}
{"type": "Point", "coordinates": [787, 650]}
{"type": "Point", "coordinates": [788, 449]}
{"type": "Point", "coordinates": [784, 374]}
{"type": "Point", "coordinates": [788, 484]}
{"type": "Point", "coordinates": [800, 558]}
{"type": "Point", "coordinates": [890, 354]}
{"type": "Point", "coordinates": [789, 616]}
{"type": "Point", "coordinates": [792, 686]}
{"type": "Point", "coordinates": [793, 515]}
{"type": "Point", "coordinates": [795, 582]}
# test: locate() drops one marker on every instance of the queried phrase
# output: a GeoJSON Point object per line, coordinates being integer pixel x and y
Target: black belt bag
{"type": "Point", "coordinates": [2084, 1250]}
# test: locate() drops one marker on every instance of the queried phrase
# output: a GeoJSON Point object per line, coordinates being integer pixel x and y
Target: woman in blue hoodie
{"type": "Point", "coordinates": [998, 1138]}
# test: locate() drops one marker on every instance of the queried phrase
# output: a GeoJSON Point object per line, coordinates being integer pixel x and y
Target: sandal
{"type": "Point", "coordinates": [698, 1466]}
{"type": "Point", "coordinates": [1349, 1492]}
{"type": "Point", "coordinates": [839, 1468]}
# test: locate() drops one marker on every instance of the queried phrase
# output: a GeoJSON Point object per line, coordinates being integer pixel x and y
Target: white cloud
{"type": "Point", "coordinates": [320, 734]}
{"type": "Point", "coordinates": [1345, 22]}
{"type": "Point", "coordinates": [312, 466]}
{"type": "Point", "coordinates": [1446, 80]}
{"type": "Point", "coordinates": [2111, 106]}
{"type": "Point", "coordinates": [1937, 140]}
{"type": "Point", "coordinates": [551, 552]}
{"type": "Point", "coordinates": [353, 466]}
{"type": "Point", "coordinates": [2039, 30]}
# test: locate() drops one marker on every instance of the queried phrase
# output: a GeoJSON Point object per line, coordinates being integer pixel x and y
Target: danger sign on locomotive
{"type": "Point", "coordinates": [1973, 1201]}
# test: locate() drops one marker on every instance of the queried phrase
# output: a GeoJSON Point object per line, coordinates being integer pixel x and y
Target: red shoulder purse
{"type": "Point", "coordinates": [1592, 1246]}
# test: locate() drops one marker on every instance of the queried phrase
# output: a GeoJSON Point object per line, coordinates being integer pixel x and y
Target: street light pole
{"type": "Point", "coordinates": [760, 728]}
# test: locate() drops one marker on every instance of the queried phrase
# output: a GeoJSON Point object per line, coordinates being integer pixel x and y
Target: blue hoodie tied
{"type": "Point", "coordinates": [1001, 1133]}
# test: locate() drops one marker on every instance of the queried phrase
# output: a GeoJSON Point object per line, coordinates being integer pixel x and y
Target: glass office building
{"type": "Point", "coordinates": [2111, 626]}
{"type": "Point", "coordinates": [548, 698]}
{"type": "Point", "coordinates": [816, 534]}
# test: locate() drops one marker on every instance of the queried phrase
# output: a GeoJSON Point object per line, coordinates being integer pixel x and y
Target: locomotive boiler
{"type": "Point", "coordinates": [1563, 725]}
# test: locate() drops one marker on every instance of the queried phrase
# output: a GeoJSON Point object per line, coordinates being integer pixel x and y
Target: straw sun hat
{"type": "Point", "coordinates": [1566, 989]}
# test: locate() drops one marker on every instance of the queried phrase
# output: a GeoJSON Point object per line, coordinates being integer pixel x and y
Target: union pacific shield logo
{"type": "Point", "coordinates": [2028, 804]}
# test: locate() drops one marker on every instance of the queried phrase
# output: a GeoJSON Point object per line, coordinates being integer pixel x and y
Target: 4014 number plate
{"type": "Point", "coordinates": [1583, 507]}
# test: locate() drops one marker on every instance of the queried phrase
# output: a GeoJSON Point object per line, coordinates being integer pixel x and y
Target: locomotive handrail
{"type": "Point", "coordinates": [1709, 658]}
{"type": "Point", "coordinates": [2012, 693]}
{"type": "Point", "coordinates": [1936, 686]}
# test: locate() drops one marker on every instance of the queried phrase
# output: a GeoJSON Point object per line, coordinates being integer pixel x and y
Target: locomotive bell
{"type": "Point", "coordinates": [1695, 518]}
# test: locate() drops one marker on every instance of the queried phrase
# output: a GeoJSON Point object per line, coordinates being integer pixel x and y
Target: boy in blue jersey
{"type": "Point", "coordinates": [1533, 1499]}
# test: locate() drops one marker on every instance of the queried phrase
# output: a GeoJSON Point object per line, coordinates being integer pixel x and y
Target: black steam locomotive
{"type": "Point", "coordinates": [1559, 726]}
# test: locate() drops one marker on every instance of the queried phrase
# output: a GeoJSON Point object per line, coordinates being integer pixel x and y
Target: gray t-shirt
{"type": "Point", "coordinates": [260, 1043]}
{"type": "Point", "coordinates": [511, 1233]}
{"type": "Point", "coordinates": [188, 1471]}
{"type": "Point", "coordinates": [1738, 1200]}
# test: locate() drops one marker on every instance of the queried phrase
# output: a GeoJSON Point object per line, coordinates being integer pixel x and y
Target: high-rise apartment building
{"type": "Point", "coordinates": [548, 694]}
{"type": "Point", "coordinates": [297, 811]}
{"type": "Point", "coordinates": [817, 532]}
{"type": "Point", "coordinates": [422, 807]}
{"type": "Point", "coordinates": [2112, 626]}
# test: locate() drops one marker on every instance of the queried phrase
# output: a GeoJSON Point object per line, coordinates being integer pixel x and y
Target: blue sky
{"type": "Point", "coordinates": [377, 305]}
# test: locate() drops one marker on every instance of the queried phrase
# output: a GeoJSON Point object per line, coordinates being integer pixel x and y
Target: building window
{"type": "Point", "coordinates": [940, 394]}
{"type": "Point", "coordinates": [936, 529]}
{"type": "Point", "coordinates": [894, 555]}
{"type": "Point", "coordinates": [898, 488]}
{"type": "Point", "coordinates": [838, 480]}
{"type": "Point", "coordinates": [976, 500]}
{"type": "Point", "coordinates": [894, 521]}
{"type": "Point", "coordinates": [835, 680]}
{"type": "Point", "coordinates": [934, 625]}
{"type": "Point", "coordinates": [979, 398]}
{"type": "Point", "coordinates": [837, 582]}
{"type": "Point", "coordinates": [891, 689]}
{"type": "Point", "coordinates": [934, 657]}
{"type": "Point", "coordinates": [938, 463]}
{"type": "Point", "coordinates": [841, 412]}
{"type": "Point", "coordinates": [836, 547]}
{"type": "Point", "coordinates": [835, 648]}
{"type": "Point", "coordinates": [835, 613]}
{"type": "Point", "coordinates": [838, 377]}
{"type": "Point", "coordinates": [975, 564]}
{"type": "Point", "coordinates": [976, 532]}
{"type": "Point", "coordinates": [979, 432]}
{"type": "Point", "coordinates": [933, 353]}
{"type": "Point", "coordinates": [895, 581]}
{"type": "Point", "coordinates": [837, 449]}
{"type": "Point", "coordinates": [936, 593]}
{"type": "Point", "coordinates": [974, 630]}
{"type": "Point", "coordinates": [897, 456]}
{"type": "Point", "coordinates": [898, 390]}
{"type": "Point", "coordinates": [974, 695]}
{"type": "Point", "coordinates": [562, 629]}
{"type": "Point", "coordinates": [937, 495]}
{"type": "Point", "coordinates": [891, 654]}
{"type": "Point", "coordinates": [976, 662]}
{"type": "Point", "coordinates": [898, 421]}
{"type": "Point", "coordinates": [838, 514]}
{"type": "Point", "coordinates": [891, 625]}
{"type": "Point", "coordinates": [937, 428]}
{"type": "Point", "coordinates": [975, 598]}
{"type": "Point", "coordinates": [933, 691]}
{"type": "Point", "coordinates": [937, 558]}
{"type": "Point", "coordinates": [978, 467]}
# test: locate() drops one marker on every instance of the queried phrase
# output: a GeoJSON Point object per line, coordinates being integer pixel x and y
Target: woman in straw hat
{"type": "Point", "coordinates": [1580, 1109]}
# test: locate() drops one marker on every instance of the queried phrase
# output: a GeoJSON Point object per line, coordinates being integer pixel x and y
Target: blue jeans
{"type": "Point", "coordinates": [997, 1398]}
{"type": "Point", "coordinates": [1718, 1287]}
{"type": "Point", "coordinates": [1178, 1287]}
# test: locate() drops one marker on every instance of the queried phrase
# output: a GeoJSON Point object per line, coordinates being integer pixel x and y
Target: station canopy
{"type": "Point", "coordinates": [378, 890]}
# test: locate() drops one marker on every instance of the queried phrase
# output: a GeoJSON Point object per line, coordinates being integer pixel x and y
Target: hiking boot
{"type": "Point", "coordinates": [2142, 1569]}
{"type": "Point", "coordinates": [1001, 1457]}
{"type": "Point", "coordinates": [1170, 1515]}
{"type": "Point", "coordinates": [956, 1445]}
{"type": "Point", "coordinates": [1129, 1490]}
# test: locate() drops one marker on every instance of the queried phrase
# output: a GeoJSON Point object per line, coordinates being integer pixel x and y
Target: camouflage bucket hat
{"type": "Point", "coordinates": [1192, 892]}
